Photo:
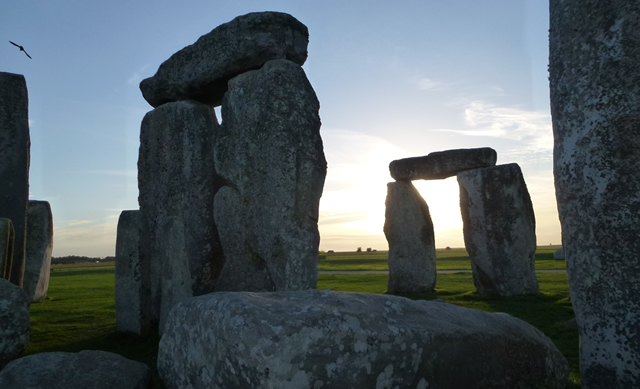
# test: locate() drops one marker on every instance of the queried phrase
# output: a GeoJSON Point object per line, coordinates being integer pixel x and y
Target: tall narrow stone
{"type": "Point", "coordinates": [499, 230]}
{"type": "Point", "coordinates": [14, 163]}
{"type": "Point", "coordinates": [409, 231]}
{"type": "Point", "coordinates": [7, 236]}
{"type": "Point", "coordinates": [39, 249]}
{"type": "Point", "coordinates": [270, 154]}
{"type": "Point", "coordinates": [177, 180]}
{"type": "Point", "coordinates": [132, 277]}
{"type": "Point", "coordinates": [595, 104]}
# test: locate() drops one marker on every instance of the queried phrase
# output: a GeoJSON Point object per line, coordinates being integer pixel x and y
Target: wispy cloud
{"type": "Point", "coordinates": [72, 223]}
{"type": "Point", "coordinates": [428, 84]}
{"type": "Point", "coordinates": [134, 79]}
{"type": "Point", "coordinates": [120, 173]}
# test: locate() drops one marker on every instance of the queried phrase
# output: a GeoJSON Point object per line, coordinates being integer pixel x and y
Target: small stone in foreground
{"type": "Point", "coordinates": [442, 164]}
{"type": "Point", "coordinates": [15, 326]}
{"type": "Point", "coordinates": [201, 71]}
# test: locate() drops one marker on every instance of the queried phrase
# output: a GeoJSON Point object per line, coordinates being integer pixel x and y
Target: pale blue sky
{"type": "Point", "coordinates": [394, 79]}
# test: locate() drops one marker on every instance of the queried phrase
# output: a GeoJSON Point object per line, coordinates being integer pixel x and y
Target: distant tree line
{"type": "Point", "coordinates": [80, 259]}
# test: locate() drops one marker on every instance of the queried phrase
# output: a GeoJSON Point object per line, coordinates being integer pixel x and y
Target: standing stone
{"type": "Point", "coordinates": [39, 249]}
{"type": "Point", "coordinates": [14, 163]}
{"type": "Point", "coordinates": [326, 339]}
{"type": "Point", "coordinates": [132, 277]}
{"type": "Point", "coordinates": [442, 164]}
{"type": "Point", "coordinates": [177, 181]}
{"type": "Point", "coordinates": [499, 230]}
{"type": "Point", "coordinates": [559, 254]}
{"type": "Point", "coordinates": [7, 236]}
{"type": "Point", "coordinates": [595, 104]}
{"type": "Point", "coordinates": [270, 153]}
{"type": "Point", "coordinates": [409, 231]}
{"type": "Point", "coordinates": [15, 326]}
{"type": "Point", "coordinates": [201, 71]}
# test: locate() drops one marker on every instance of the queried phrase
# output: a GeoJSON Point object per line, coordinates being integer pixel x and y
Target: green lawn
{"type": "Point", "coordinates": [80, 310]}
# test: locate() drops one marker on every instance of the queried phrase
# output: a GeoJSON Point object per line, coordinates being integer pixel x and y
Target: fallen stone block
{"type": "Point", "coordinates": [269, 151]}
{"type": "Point", "coordinates": [314, 339]}
{"type": "Point", "coordinates": [7, 236]}
{"type": "Point", "coordinates": [14, 163]}
{"type": "Point", "coordinates": [442, 164]}
{"type": "Point", "coordinates": [559, 254]}
{"type": "Point", "coordinates": [201, 71]}
{"type": "Point", "coordinates": [499, 230]}
{"type": "Point", "coordinates": [409, 231]}
{"type": "Point", "coordinates": [15, 326]}
{"type": "Point", "coordinates": [87, 369]}
{"type": "Point", "coordinates": [39, 248]}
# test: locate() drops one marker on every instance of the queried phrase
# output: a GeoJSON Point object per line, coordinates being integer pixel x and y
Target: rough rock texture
{"type": "Point", "coordinates": [409, 231]}
{"type": "Point", "coordinates": [14, 163]}
{"type": "Point", "coordinates": [201, 71]}
{"type": "Point", "coordinates": [499, 230]}
{"type": "Point", "coordinates": [559, 254]}
{"type": "Point", "coordinates": [177, 184]}
{"type": "Point", "coordinates": [270, 153]}
{"type": "Point", "coordinates": [89, 369]}
{"type": "Point", "coordinates": [15, 326]}
{"type": "Point", "coordinates": [39, 249]}
{"type": "Point", "coordinates": [595, 104]}
{"type": "Point", "coordinates": [327, 339]}
{"type": "Point", "coordinates": [7, 235]}
{"type": "Point", "coordinates": [132, 278]}
{"type": "Point", "coordinates": [442, 164]}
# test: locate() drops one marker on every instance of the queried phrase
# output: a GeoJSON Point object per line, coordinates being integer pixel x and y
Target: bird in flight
{"type": "Point", "coordinates": [21, 49]}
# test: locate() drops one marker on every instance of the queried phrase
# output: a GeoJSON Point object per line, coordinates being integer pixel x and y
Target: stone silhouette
{"type": "Point", "coordinates": [15, 326]}
{"type": "Point", "coordinates": [39, 249]}
{"type": "Point", "coordinates": [270, 154]}
{"type": "Point", "coordinates": [442, 164]}
{"type": "Point", "coordinates": [14, 163]}
{"type": "Point", "coordinates": [329, 339]}
{"type": "Point", "coordinates": [409, 231]}
{"type": "Point", "coordinates": [594, 51]}
{"type": "Point", "coordinates": [7, 235]}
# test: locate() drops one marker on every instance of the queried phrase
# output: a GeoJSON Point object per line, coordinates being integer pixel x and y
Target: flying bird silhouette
{"type": "Point", "coordinates": [21, 49]}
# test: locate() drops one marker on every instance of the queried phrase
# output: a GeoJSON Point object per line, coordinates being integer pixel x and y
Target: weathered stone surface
{"type": "Point", "coordinates": [201, 71]}
{"type": "Point", "coordinates": [270, 154]}
{"type": "Point", "coordinates": [327, 339]}
{"type": "Point", "coordinates": [39, 249]}
{"type": "Point", "coordinates": [442, 164]}
{"type": "Point", "coordinates": [559, 254]}
{"type": "Point", "coordinates": [499, 230]}
{"type": "Point", "coordinates": [89, 369]}
{"type": "Point", "coordinates": [7, 236]}
{"type": "Point", "coordinates": [409, 231]}
{"type": "Point", "coordinates": [177, 183]}
{"type": "Point", "coordinates": [595, 104]}
{"type": "Point", "coordinates": [14, 163]}
{"type": "Point", "coordinates": [15, 326]}
{"type": "Point", "coordinates": [133, 294]}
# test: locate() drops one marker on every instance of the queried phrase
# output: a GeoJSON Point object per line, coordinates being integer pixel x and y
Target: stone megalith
{"type": "Point", "coordinates": [270, 153]}
{"type": "Point", "coordinates": [594, 52]}
{"type": "Point", "coordinates": [133, 278]}
{"type": "Point", "coordinates": [442, 164]}
{"type": "Point", "coordinates": [409, 231]}
{"type": "Point", "coordinates": [326, 339]}
{"type": "Point", "coordinates": [14, 163]}
{"type": "Point", "coordinates": [39, 248]}
{"type": "Point", "coordinates": [87, 369]}
{"type": "Point", "coordinates": [201, 71]}
{"type": "Point", "coordinates": [15, 326]}
{"type": "Point", "coordinates": [7, 236]}
{"type": "Point", "coordinates": [499, 230]}
{"type": "Point", "coordinates": [177, 179]}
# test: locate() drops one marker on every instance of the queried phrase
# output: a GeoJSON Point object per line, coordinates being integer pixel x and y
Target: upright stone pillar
{"type": "Point", "coordinates": [14, 163]}
{"type": "Point", "coordinates": [177, 181]}
{"type": "Point", "coordinates": [39, 249]}
{"type": "Point", "coordinates": [409, 231]}
{"type": "Point", "coordinates": [132, 278]}
{"type": "Point", "coordinates": [499, 230]}
{"type": "Point", "coordinates": [270, 154]}
{"type": "Point", "coordinates": [7, 236]}
{"type": "Point", "coordinates": [595, 105]}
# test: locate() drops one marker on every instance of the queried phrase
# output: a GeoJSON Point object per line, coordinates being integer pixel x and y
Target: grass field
{"type": "Point", "coordinates": [79, 313]}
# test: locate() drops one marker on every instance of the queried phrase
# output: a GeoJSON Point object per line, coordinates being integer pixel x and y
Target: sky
{"type": "Point", "coordinates": [394, 80]}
